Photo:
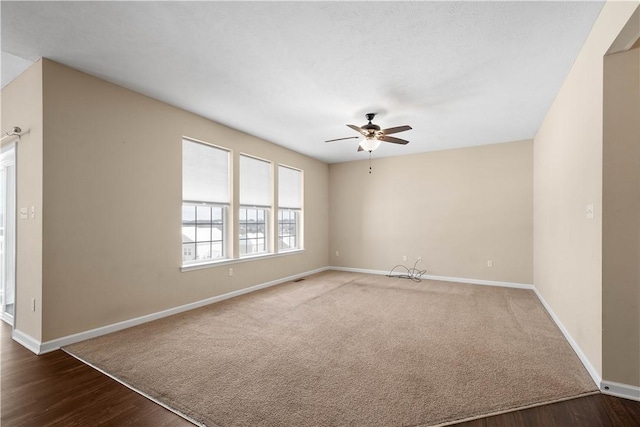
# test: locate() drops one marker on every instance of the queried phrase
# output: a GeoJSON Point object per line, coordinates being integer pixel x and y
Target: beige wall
{"type": "Point", "coordinates": [456, 209]}
{"type": "Point", "coordinates": [621, 219]}
{"type": "Point", "coordinates": [22, 107]}
{"type": "Point", "coordinates": [112, 206]}
{"type": "Point", "coordinates": [567, 178]}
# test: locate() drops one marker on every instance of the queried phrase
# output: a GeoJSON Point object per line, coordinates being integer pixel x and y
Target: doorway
{"type": "Point", "coordinates": [7, 233]}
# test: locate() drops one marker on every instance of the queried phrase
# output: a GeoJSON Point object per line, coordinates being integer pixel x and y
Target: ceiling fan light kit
{"type": "Point", "coordinates": [373, 135]}
{"type": "Point", "coordinates": [370, 143]}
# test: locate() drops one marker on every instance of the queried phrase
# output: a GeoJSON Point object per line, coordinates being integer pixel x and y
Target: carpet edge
{"type": "Point", "coordinates": [443, 424]}
{"type": "Point", "coordinates": [515, 409]}
{"type": "Point", "coordinates": [136, 390]}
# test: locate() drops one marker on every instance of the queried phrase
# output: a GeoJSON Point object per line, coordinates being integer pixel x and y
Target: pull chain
{"type": "Point", "coordinates": [369, 162]}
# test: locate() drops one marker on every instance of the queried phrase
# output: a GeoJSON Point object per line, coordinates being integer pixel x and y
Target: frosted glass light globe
{"type": "Point", "coordinates": [370, 144]}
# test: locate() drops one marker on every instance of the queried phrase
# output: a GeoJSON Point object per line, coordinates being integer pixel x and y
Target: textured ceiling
{"type": "Point", "coordinates": [294, 73]}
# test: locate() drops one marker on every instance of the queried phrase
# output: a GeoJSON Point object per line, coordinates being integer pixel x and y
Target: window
{"type": "Point", "coordinates": [289, 208]}
{"type": "Point", "coordinates": [205, 199]}
{"type": "Point", "coordinates": [202, 232]}
{"type": "Point", "coordinates": [255, 204]}
{"type": "Point", "coordinates": [287, 229]}
{"type": "Point", "coordinates": [253, 231]}
{"type": "Point", "coordinates": [206, 204]}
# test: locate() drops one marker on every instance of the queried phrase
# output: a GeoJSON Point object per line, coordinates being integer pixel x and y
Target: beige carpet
{"type": "Point", "coordinates": [347, 349]}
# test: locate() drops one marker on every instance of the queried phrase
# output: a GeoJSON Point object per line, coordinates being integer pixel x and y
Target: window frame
{"type": "Point", "coordinates": [231, 222]}
{"type": "Point", "coordinates": [299, 213]}
{"type": "Point", "coordinates": [296, 235]}
{"type": "Point", "coordinates": [223, 238]}
{"type": "Point", "coordinates": [225, 243]}
{"type": "Point", "coordinates": [266, 240]}
{"type": "Point", "coordinates": [268, 229]}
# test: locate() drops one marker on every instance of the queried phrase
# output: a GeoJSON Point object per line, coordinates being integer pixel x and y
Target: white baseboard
{"type": "Point", "coordinates": [27, 341]}
{"type": "Point", "coordinates": [358, 270]}
{"type": "Point", "coordinates": [441, 278]}
{"type": "Point", "coordinates": [47, 346]}
{"type": "Point", "coordinates": [595, 376]}
{"type": "Point", "coordinates": [480, 282]}
{"type": "Point", "coordinates": [620, 390]}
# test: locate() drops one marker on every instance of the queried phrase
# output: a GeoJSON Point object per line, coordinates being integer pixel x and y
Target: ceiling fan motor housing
{"type": "Point", "coordinates": [370, 128]}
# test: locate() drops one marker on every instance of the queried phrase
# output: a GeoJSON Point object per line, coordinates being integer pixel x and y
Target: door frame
{"type": "Point", "coordinates": [8, 318]}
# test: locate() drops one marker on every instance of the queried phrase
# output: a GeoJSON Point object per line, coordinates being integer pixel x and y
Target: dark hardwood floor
{"type": "Point", "coordinates": [57, 390]}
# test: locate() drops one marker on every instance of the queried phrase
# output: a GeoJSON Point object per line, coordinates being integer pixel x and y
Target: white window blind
{"type": "Point", "coordinates": [255, 182]}
{"type": "Point", "coordinates": [289, 188]}
{"type": "Point", "coordinates": [205, 173]}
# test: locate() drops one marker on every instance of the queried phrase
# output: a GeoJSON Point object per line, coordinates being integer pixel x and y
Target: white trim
{"type": "Point", "coordinates": [480, 282]}
{"type": "Point", "coordinates": [595, 376]}
{"type": "Point", "coordinates": [55, 344]}
{"type": "Point", "coordinates": [443, 278]}
{"type": "Point", "coordinates": [7, 318]}
{"type": "Point", "coordinates": [359, 270]}
{"type": "Point", "coordinates": [27, 341]}
{"type": "Point", "coordinates": [228, 261]}
{"type": "Point", "coordinates": [620, 390]}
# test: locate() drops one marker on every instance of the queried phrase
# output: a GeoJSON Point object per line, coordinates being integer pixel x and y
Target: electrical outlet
{"type": "Point", "coordinates": [230, 271]}
{"type": "Point", "coordinates": [337, 253]}
{"type": "Point", "coordinates": [404, 257]}
{"type": "Point", "coordinates": [489, 263]}
{"type": "Point", "coordinates": [419, 259]}
{"type": "Point", "coordinates": [33, 304]}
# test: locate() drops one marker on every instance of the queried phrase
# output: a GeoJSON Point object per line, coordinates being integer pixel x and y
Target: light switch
{"type": "Point", "coordinates": [589, 211]}
{"type": "Point", "coordinates": [33, 212]}
{"type": "Point", "coordinates": [24, 213]}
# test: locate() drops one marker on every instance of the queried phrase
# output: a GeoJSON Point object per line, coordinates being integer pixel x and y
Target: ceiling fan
{"type": "Point", "coordinates": [373, 135]}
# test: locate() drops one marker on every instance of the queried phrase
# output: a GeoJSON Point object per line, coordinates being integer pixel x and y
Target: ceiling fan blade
{"type": "Point", "coordinates": [357, 129]}
{"type": "Point", "coordinates": [396, 129]}
{"type": "Point", "coordinates": [394, 140]}
{"type": "Point", "coordinates": [360, 148]}
{"type": "Point", "coordinates": [340, 139]}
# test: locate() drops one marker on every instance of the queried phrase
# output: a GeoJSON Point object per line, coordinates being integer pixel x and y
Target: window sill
{"type": "Point", "coordinates": [219, 263]}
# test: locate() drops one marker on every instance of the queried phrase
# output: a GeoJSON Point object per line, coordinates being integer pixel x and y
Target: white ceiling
{"type": "Point", "coordinates": [294, 73]}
